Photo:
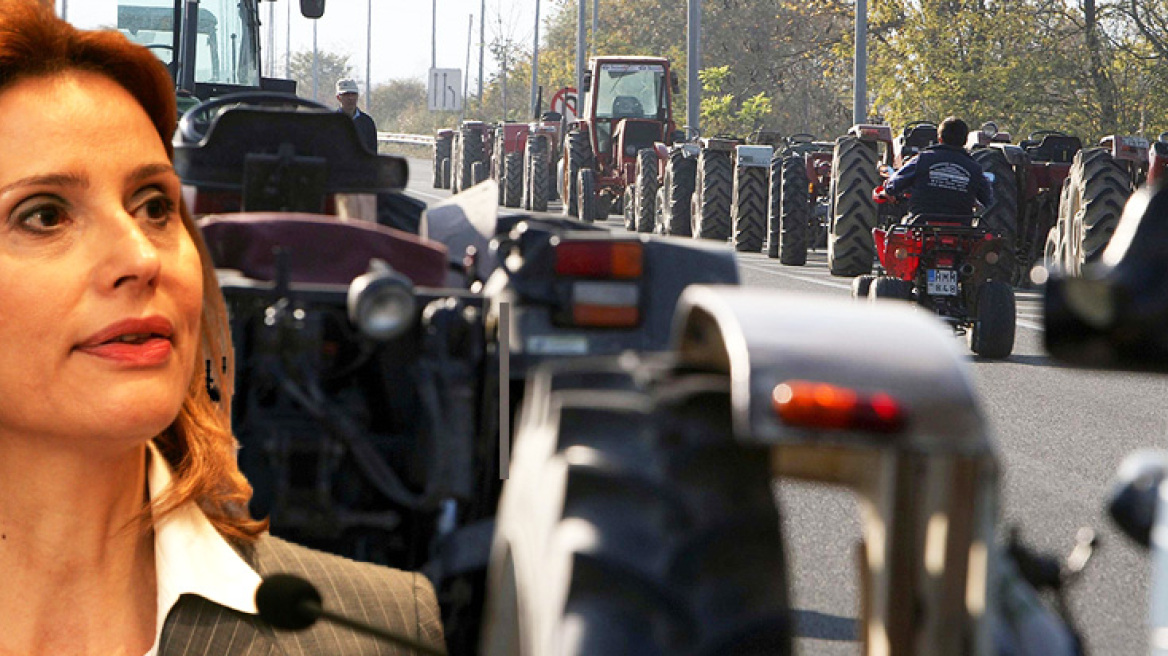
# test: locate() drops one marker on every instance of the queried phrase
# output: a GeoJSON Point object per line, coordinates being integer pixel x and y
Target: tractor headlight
{"type": "Point", "coordinates": [381, 303]}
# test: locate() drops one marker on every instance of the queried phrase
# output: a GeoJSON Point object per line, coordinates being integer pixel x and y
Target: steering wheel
{"type": "Point", "coordinates": [194, 124]}
{"type": "Point", "coordinates": [161, 46]}
{"type": "Point", "coordinates": [1037, 135]}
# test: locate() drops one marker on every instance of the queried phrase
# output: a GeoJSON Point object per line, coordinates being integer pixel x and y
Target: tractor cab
{"type": "Point", "coordinates": [628, 102]}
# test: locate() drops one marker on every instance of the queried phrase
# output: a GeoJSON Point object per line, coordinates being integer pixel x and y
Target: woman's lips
{"type": "Point", "coordinates": [153, 351]}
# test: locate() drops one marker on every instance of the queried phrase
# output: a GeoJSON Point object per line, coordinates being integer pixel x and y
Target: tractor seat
{"type": "Point", "coordinates": [1053, 148]}
{"type": "Point", "coordinates": [627, 107]}
{"type": "Point", "coordinates": [920, 136]}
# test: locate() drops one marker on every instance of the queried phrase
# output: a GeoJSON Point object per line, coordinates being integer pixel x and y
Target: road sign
{"type": "Point", "coordinates": [564, 102]}
{"type": "Point", "coordinates": [444, 90]}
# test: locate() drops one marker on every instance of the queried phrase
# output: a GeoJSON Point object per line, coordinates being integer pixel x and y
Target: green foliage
{"type": "Point", "coordinates": [721, 113]}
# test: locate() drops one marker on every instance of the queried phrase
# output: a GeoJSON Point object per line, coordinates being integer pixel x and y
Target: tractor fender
{"type": "Point", "coordinates": [662, 151]}
{"type": "Point", "coordinates": [1015, 155]}
{"type": "Point", "coordinates": [763, 338]}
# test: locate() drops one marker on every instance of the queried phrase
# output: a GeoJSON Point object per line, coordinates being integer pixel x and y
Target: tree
{"type": "Point", "coordinates": [330, 68]}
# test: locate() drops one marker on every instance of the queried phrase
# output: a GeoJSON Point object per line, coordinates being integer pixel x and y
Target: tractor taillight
{"type": "Point", "coordinates": [599, 259]}
{"type": "Point", "coordinates": [606, 304]}
{"type": "Point", "coordinates": [810, 404]}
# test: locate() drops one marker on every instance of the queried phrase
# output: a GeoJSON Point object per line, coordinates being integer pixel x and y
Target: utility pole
{"type": "Point", "coordinates": [466, 75]}
{"type": "Point", "coordinates": [693, 63]}
{"type": "Point", "coordinates": [482, 44]}
{"type": "Point", "coordinates": [288, 40]}
{"type": "Point", "coordinates": [368, 51]}
{"type": "Point", "coordinates": [315, 66]}
{"type": "Point", "coordinates": [860, 97]}
{"type": "Point", "coordinates": [434, 34]}
{"type": "Point", "coordinates": [581, 5]}
{"type": "Point", "coordinates": [271, 40]}
{"type": "Point", "coordinates": [595, 25]}
{"type": "Point", "coordinates": [503, 72]}
{"type": "Point", "coordinates": [535, 67]}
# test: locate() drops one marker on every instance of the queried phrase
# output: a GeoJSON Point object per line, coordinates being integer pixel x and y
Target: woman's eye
{"type": "Point", "coordinates": [157, 209]}
{"type": "Point", "coordinates": [41, 218]}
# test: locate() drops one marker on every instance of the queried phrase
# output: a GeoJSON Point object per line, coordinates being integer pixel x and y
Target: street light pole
{"type": "Point", "coordinates": [535, 67]}
{"type": "Point", "coordinates": [315, 66]}
{"type": "Point", "coordinates": [434, 34]}
{"type": "Point", "coordinates": [860, 98]}
{"type": "Point", "coordinates": [580, 56]}
{"type": "Point", "coordinates": [368, 52]}
{"type": "Point", "coordinates": [693, 62]}
{"type": "Point", "coordinates": [482, 44]}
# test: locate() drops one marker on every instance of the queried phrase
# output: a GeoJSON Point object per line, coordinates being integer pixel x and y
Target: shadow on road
{"type": "Point", "coordinates": [821, 626]}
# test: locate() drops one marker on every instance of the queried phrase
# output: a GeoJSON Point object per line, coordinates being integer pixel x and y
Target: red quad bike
{"type": "Point", "coordinates": [940, 263]}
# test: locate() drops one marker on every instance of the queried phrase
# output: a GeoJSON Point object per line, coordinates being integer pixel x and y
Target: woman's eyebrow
{"type": "Point", "coordinates": [48, 179]}
{"type": "Point", "coordinates": [150, 170]}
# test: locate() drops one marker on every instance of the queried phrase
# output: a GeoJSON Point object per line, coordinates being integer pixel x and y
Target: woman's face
{"type": "Point", "coordinates": [100, 283]}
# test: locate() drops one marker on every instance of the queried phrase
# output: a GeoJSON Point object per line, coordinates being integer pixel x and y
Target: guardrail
{"type": "Point", "coordinates": [399, 138]}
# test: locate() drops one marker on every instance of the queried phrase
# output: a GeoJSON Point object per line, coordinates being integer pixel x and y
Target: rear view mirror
{"type": "Point", "coordinates": [312, 8]}
{"type": "Point", "coordinates": [674, 84]}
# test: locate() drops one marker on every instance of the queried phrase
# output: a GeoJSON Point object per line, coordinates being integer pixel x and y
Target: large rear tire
{"type": "Point", "coordinates": [680, 175]}
{"type": "Point", "coordinates": [471, 153]}
{"type": "Point", "coordinates": [1001, 216]}
{"type": "Point", "coordinates": [1103, 188]}
{"type": "Point", "coordinates": [441, 152]}
{"type": "Point", "coordinates": [992, 334]}
{"type": "Point", "coordinates": [512, 179]}
{"type": "Point", "coordinates": [713, 187]}
{"type": "Point", "coordinates": [577, 156]}
{"type": "Point", "coordinates": [850, 248]}
{"type": "Point", "coordinates": [645, 191]}
{"type": "Point", "coordinates": [748, 208]}
{"type": "Point", "coordinates": [446, 173]}
{"type": "Point", "coordinates": [633, 524]}
{"type": "Point", "coordinates": [586, 195]}
{"type": "Point", "coordinates": [794, 211]}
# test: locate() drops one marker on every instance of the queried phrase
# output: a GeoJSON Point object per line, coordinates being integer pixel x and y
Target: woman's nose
{"type": "Point", "coordinates": [132, 258]}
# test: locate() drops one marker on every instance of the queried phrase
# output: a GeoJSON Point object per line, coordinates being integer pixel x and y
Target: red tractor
{"type": "Point", "coordinates": [507, 153]}
{"type": "Point", "coordinates": [544, 141]}
{"type": "Point", "coordinates": [627, 108]}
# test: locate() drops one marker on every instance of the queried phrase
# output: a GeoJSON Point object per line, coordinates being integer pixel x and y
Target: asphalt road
{"type": "Point", "coordinates": [1061, 434]}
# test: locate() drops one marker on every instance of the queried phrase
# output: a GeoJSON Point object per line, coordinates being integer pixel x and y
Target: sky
{"type": "Point", "coordinates": [401, 42]}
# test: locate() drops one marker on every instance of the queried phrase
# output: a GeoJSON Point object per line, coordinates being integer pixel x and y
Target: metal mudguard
{"type": "Point", "coordinates": [762, 339]}
{"type": "Point", "coordinates": [753, 156]}
{"type": "Point", "coordinates": [717, 143]}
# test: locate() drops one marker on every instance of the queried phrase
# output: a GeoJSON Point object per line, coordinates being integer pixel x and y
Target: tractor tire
{"type": "Point", "coordinates": [1001, 216]}
{"type": "Point", "coordinates": [471, 153]}
{"type": "Point", "coordinates": [446, 173]}
{"type": "Point", "coordinates": [794, 212]}
{"type": "Point", "coordinates": [887, 287]}
{"type": "Point", "coordinates": [441, 153]}
{"type": "Point", "coordinates": [713, 189]}
{"type": "Point", "coordinates": [645, 190]}
{"type": "Point", "coordinates": [659, 225]}
{"type": "Point", "coordinates": [850, 248]}
{"type": "Point", "coordinates": [629, 209]}
{"type": "Point", "coordinates": [586, 195]}
{"type": "Point", "coordinates": [861, 285]}
{"type": "Point", "coordinates": [1103, 188]}
{"type": "Point", "coordinates": [992, 333]}
{"type": "Point", "coordinates": [456, 165]}
{"type": "Point", "coordinates": [537, 183]}
{"type": "Point", "coordinates": [680, 175]}
{"type": "Point", "coordinates": [512, 180]}
{"type": "Point", "coordinates": [578, 156]}
{"type": "Point", "coordinates": [774, 205]}
{"type": "Point", "coordinates": [1053, 252]}
{"type": "Point", "coordinates": [684, 533]}
{"type": "Point", "coordinates": [748, 208]}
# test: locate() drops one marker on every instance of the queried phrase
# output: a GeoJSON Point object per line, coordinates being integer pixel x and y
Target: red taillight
{"type": "Point", "coordinates": [599, 259]}
{"type": "Point", "coordinates": [822, 405]}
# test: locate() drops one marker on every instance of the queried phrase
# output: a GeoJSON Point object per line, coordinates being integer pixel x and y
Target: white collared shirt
{"type": "Point", "coordinates": [191, 557]}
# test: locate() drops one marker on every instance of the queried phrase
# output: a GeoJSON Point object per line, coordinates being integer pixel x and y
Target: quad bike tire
{"type": "Point", "coordinates": [441, 153]}
{"type": "Point", "coordinates": [512, 179]}
{"type": "Point", "coordinates": [680, 175]}
{"type": "Point", "coordinates": [687, 554]}
{"type": "Point", "coordinates": [577, 157]}
{"type": "Point", "coordinates": [794, 211]}
{"type": "Point", "coordinates": [586, 195]}
{"type": "Point", "coordinates": [1001, 216]}
{"type": "Point", "coordinates": [850, 248]}
{"type": "Point", "coordinates": [889, 288]}
{"type": "Point", "coordinates": [470, 154]}
{"type": "Point", "coordinates": [713, 189]}
{"type": "Point", "coordinates": [992, 333]}
{"type": "Point", "coordinates": [1103, 189]}
{"type": "Point", "coordinates": [537, 183]}
{"type": "Point", "coordinates": [748, 208]}
{"type": "Point", "coordinates": [446, 173]}
{"type": "Point", "coordinates": [645, 190]}
{"type": "Point", "coordinates": [861, 285]}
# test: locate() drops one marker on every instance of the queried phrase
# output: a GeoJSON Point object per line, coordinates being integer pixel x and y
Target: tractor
{"type": "Point", "coordinates": [507, 154]}
{"type": "Point", "coordinates": [627, 109]}
{"type": "Point", "coordinates": [471, 156]}
{"type": "Point", "coordinates": [800, 179]}
{"type": "Point", "coordinates": [540, 156]}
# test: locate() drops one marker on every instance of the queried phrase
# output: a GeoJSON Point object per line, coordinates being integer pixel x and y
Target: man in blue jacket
{"type": "Point", "coordinates": [347, 98]}
{"type": "Point", "coordinates": [944, 179]}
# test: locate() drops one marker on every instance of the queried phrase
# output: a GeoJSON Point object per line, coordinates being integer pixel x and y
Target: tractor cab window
{"type": "Point", "coordinates": [631, 91]}
{"type": "Point", "coordinates": [224, 46]}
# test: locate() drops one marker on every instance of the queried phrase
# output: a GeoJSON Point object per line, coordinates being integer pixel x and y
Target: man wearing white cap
{"type": "Point", "coordinates": [347, 97]}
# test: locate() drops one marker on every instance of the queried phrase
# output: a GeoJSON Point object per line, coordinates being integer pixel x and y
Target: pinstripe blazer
{"type": "Point", "coordinates": [400, 601]}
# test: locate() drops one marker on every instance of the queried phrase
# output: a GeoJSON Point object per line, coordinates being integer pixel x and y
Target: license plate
{"type": "Point", "coordinates": [942, 282]}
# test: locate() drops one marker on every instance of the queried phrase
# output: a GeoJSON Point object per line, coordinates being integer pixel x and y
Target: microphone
{"type": "Point", "coordinates": [289, 602]}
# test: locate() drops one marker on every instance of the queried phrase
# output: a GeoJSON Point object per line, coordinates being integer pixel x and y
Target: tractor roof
{"type": "Point", "coordinates": [628, 59]}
